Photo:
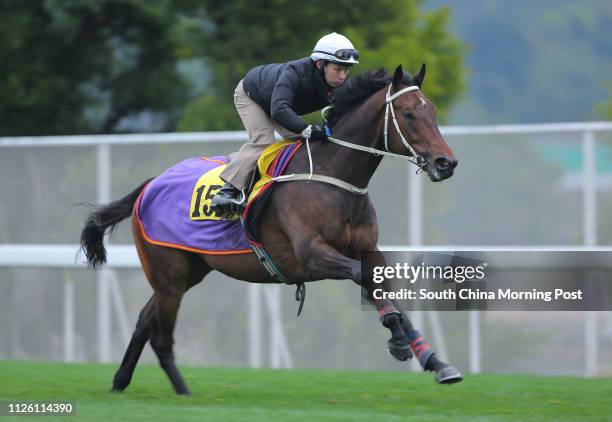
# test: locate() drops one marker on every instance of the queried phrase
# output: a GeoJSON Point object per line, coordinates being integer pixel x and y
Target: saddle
{"type": "Point", "coordinates": [271, 164]}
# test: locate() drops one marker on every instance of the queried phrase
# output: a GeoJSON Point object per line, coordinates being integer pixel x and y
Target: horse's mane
{"type": "Point", "coordinates": [357, 90]}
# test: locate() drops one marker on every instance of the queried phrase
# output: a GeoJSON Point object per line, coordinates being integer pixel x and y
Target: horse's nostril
{"type": "Point", "coordinates": [445, 163]}
{"type": "Point", "coordinates": [442, 163]}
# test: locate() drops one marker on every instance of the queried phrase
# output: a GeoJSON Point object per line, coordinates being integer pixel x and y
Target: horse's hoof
{"type": "Point", "coordinates": [448, 375]}
{"type": "Point", "coordinates": [399, 352]}
{"type": "Point", "coordinates": [116, 390]}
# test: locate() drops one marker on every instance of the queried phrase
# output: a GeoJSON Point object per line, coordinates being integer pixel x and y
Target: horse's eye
{"type": "Point", "coordinates": [409, 115]}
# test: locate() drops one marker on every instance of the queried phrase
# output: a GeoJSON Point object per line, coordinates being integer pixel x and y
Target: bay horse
{"type": "Point", "coordinates": [311, 230]}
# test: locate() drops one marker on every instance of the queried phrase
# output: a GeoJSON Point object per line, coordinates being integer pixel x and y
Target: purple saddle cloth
{"type": "Point", "coordinates": [171, 208]}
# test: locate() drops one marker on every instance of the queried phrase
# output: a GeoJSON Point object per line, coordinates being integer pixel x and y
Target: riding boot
{"type": "Point", "coordinates": [227, 202]}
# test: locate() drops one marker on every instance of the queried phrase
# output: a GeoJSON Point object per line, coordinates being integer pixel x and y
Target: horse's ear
{"type": "Point", "coordinates": [398, 76]}
{"type": "Point", "coordinates": [420, 77]}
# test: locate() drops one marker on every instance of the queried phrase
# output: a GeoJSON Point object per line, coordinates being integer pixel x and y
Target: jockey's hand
{"type": "Point", "coordinates": [317, 133]}
{"type": "Point", "coordinates": [306, 133]}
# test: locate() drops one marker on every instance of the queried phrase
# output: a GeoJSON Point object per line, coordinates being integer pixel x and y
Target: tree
{"type": "Point", "coordinates": [240, 34]}
{"type": "Point", "coordinates": [83, 66]}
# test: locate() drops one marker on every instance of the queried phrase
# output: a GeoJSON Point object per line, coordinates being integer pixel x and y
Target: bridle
{"type": "Point", "coordinates": [414, 156]}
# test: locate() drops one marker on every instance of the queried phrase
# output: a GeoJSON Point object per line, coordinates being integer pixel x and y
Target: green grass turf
{"type": "Point", "coordinates": [223, 394]}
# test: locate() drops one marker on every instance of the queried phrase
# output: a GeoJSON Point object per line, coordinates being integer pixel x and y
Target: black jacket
{"type": "Point", "coordinates": [288, 90]}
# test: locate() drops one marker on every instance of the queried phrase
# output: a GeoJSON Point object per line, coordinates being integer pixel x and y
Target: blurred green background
{"type": "Point", "coordinates": [120, 66]}
{"type": "Point", "coordinates": [83, 66]}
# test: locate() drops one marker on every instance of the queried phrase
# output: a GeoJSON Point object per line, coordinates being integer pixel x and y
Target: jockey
{"type": "Point", "coordinates": [272, 97]}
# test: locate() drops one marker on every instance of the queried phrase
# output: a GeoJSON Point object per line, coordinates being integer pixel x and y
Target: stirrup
{"type": "Point", "coordinates": [230, 208]}
{"type": "Point", "coordinates": [241, 201]}
{"type": "Point", "coordinates": [227, 211]}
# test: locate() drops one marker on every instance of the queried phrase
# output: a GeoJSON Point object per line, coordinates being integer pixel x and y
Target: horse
{"type": "Point", "coordinates": [312, 230]}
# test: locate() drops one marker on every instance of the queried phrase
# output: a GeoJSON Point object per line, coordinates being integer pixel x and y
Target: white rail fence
{"type": "Point", "coordinates": [124, 256]}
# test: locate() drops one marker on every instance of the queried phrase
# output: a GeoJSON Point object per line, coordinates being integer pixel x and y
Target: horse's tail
{"type": "Point", "coordinates": [103, 218]}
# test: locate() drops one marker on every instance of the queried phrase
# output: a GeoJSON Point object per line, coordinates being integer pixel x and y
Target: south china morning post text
{"type": "Point", "coordinates": [573, 281]}
{"type": "Point", "coordinates": [457, 274]}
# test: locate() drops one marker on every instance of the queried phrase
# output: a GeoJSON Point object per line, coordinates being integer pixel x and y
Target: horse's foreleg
{"type": "Point", "coordinates": [391, 316]}
{"type": "Point", "coordinates": [393, 319]}
{"type": "Point", "coordinates": [321, 260]}
{"type": "Point", "coordinates": [405, 337]}
{"type": "Point", "coordinates": [445, 373]}
{"type": "Point", "coordinates": [420, 346]}
{"type": "Point", "coordinates": [391, 313]}
{"type": "Point", "coordinates": [123, 376]}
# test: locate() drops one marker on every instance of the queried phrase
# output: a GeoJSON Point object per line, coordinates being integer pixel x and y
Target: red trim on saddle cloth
{"type": "Point", "coordinates": [175, 246]}
{"type": "Point", "coordinates": [213, 161]}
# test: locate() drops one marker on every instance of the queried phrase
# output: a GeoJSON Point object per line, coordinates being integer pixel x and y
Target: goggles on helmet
{"type": "Point", "coordinates": [344, 54]}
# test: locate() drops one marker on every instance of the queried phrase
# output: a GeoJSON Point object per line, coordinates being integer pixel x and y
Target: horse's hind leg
{"type": "Point", "coordinates": [162, 340]}
{"type": "Point", "coordinates": [123, 376]}
{"type": "Point", "coordinates": [172, 272]}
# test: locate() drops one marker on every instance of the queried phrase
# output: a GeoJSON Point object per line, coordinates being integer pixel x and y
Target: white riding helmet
{"type": "Point", "coordinates": [335, 48]}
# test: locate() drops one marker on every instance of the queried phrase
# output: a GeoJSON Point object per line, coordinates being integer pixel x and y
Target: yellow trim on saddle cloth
{"type": "Point", "coordinates": [265, 159]}
{"type": "Point", "coordinates": [201, 198]}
